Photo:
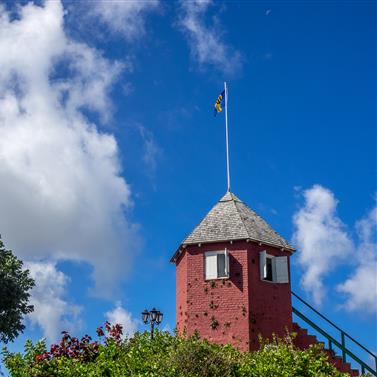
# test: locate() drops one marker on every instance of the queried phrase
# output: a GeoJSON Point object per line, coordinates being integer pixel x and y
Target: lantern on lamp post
{"type": "Point", "coordinates": [153, 317]}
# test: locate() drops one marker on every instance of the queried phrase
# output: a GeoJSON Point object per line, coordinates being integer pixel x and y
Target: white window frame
{"type": "Point", "coordinates": [280, 273]}
{"type": "Point", "coordinates": [215, 275]}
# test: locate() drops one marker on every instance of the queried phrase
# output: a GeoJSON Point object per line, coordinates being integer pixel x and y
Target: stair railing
{"type": "Point", "coordinates": [332, 341]}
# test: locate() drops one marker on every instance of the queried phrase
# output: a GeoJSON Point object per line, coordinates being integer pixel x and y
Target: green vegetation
{"type": "Point", "coordinates": [164, 356]}
{"type": "Point", "coordinates": [15, 284]}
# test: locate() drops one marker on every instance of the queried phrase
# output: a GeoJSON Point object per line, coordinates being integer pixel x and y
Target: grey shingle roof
{"type": "Point", "coordinates": [232, 219]}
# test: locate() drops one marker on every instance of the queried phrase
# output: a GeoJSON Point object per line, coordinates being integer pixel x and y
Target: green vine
{"type": "Point", "coordinates": [244, 310]}
{"type": "Point", "coordinates": [214, 323]}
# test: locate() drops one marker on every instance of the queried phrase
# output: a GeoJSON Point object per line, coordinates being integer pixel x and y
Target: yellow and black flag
{"type": "Point", "coordinates": [220, 102]}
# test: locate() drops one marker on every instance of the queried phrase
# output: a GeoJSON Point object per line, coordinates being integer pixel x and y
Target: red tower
{"type": "Point", "coordinates": [232, 277]}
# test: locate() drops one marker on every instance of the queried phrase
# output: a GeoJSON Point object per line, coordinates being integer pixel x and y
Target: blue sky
{"type": "Point", "coordinates": [111, 154]}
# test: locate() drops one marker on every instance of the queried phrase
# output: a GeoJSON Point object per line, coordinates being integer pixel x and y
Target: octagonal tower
{"type": "Point", "coordinates": [233, 277]}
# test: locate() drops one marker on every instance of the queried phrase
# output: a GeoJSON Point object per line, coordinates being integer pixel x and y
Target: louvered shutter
{"type": "Point", "coordinates": [262, 264]}
{"type": "Point", "coordinates": [226, 263]}
{"type": "Point", "coordinates": [281, 268]}
{"type": "Point", "coordinates": [211, 266]}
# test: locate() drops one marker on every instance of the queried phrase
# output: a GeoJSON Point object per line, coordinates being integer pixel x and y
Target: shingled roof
{"type": "Point", "coordinates": [231, 219]}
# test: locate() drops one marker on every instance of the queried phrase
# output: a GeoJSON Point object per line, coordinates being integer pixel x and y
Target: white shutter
{"type": "Point", "coordinates": [211, 266]}
{"type": "Point", "coordinates": [226, 263]}
{"type": "Point", "coordinates": [262, 264]}
{"type": "Point", "coordinates": [281, 268]}
{"type": "Point", "coordinates": [273, 266]}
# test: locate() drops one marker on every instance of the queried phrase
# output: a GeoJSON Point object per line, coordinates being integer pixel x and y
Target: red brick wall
{"type": "Point", "coordinates": [233, 310]}
{"type": "Point", "coordinates": [270, 303]}
{"type": "Point", "coordinates": [181, 293]}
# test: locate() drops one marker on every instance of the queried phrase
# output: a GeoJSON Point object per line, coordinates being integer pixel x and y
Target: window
{"type": "Point", "coordinates": [274, 269]}
{"type": "Point", "coordinates": [269, 275]}
{"type": "Point", "coordinates": [216, 264]}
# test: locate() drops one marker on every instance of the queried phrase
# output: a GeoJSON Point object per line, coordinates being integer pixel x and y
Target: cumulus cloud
{"type": "Point", "coordinates": [121, 316]}
{"type": "Point", "coordinates": [206, 43]}
{"type": "Point", "coordinates": [124, 17]}
{"type": "Point", "coordinates": [361, 286]}
{"type": "Point", "coordinates": [321, 238]}
{"type": "Point", "coordinates": [52, 312]}
{"type": "Point", "coordinates": [62, 196]}
{"type": "Point", "coordinates": [324, 244]}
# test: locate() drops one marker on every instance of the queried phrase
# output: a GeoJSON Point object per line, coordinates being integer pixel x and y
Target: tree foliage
{"type": "Point", "coordinates": [165, 356]}
{"type": "Point", "coordinates": [15, 284]}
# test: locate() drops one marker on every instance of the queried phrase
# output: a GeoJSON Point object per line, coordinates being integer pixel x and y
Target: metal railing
{"type": "Point", "coordinates": [341, 344]}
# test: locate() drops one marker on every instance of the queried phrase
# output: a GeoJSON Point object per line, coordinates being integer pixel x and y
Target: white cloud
{"type": "Point", "coordinates": [51, 311]}
{"type": "Point", "coordinates": [124, 17]}
{"type": "Point", "coordinates": [62, 196]}
{"type": "Point", "coordinates": [361, 286]}
{"type": "Point", "coordinates": [321, 238]}
{"type": "Point", "coordinates": [121, 316]}
{"type": "Point", "coordinates": [205, 42]}
{"type": "Point", "coordinates": [324, 244]}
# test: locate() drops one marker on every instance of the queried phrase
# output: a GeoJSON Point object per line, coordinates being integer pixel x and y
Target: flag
{"type": "Point", "coordinates": [219, 103]}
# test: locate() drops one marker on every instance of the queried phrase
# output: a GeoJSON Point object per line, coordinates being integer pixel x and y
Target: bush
{"type": "Point", "coordinates": [281, 358]}
{"type": "Point", "coordinates": [15, 286]}
{"type": "Point", "coordinates": [164, 356]}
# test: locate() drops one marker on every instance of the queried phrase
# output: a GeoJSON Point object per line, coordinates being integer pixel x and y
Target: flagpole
{"type": "Point", "coordinates": [226, 135]}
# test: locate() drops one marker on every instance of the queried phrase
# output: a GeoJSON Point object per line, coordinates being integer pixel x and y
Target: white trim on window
{"type": "Point", "coordinates": [211, 265]}
{"type": "Point", "coordinates": [273, 269]}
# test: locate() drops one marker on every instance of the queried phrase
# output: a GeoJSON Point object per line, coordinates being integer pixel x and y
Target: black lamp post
{"type": "Point", "coordinates": [153, 317]}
